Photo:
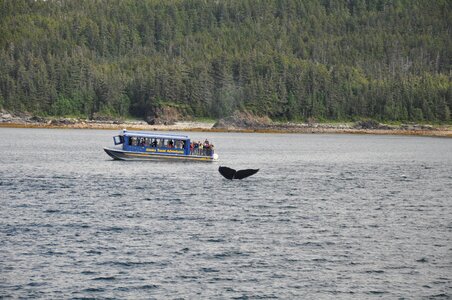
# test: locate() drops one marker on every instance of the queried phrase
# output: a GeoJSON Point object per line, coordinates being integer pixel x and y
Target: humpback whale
{"type": "Point", "coordinates": [229, 173]}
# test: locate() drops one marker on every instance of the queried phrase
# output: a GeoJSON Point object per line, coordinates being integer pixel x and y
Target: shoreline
{"type": "Point", "coordinates": [318, 128]}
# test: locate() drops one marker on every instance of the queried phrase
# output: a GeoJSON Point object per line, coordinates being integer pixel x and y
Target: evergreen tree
{"type": "Point", "coordinates": [288, 59]}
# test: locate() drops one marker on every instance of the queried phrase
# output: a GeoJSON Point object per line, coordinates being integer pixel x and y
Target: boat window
{"type": "Point", "coordinates": [119, 139]}
{"type": "Point", "coordinates": [180, 144]}
{"type": "Point", "coordinates": [138, 141]}
{"type": "Point", "coordinates": [141, 141]}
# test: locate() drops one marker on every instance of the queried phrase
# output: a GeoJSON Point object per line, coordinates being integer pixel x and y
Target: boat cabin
{"type": "Point", "coordinates": [146, 142]}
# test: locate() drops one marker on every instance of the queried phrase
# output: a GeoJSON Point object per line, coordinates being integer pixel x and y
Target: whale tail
{"type": "Point", "coordinates": [229, 173]}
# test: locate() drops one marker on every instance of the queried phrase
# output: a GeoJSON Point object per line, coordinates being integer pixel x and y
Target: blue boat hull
{"type": "Point", "coordinates": [118, 154]}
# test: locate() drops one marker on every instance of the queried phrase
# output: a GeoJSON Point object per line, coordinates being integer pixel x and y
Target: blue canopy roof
{"type": "Point", "coordinates": [155, 135]}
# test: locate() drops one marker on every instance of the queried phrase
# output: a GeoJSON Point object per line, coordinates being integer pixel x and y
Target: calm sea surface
{"type": "Point", "coordinates": [327, 216]}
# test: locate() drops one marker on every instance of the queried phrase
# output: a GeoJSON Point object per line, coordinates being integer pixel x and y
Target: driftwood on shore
{"type": "Point", "coordinates": [238, 122]}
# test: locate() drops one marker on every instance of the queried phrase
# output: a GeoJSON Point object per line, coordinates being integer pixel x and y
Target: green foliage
{"type": "Point", "coordinates": [288, 59]}
{"type": "Point", "coordinates": [64, 106]}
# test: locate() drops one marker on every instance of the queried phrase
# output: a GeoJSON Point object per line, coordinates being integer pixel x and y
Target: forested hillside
{"type": "Point", "coordinates": [287, 59]}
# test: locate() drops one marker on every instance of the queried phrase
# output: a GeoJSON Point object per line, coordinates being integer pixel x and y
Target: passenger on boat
{"type": "Point", "coordinates": [210, 150]}
{"type": "Point", "coordinates": [201, 149]}
{"type": "Point", "coordinates": [206, 147]}
{"type": "Point", "coordinates": [196, 147]}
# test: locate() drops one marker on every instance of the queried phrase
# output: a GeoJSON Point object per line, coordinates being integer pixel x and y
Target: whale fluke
{"type": "Point", "coordinates": [229, 173]}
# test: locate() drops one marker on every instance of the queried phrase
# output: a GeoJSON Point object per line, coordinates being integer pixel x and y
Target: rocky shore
{"type": "Point", "coordinates": [238, 122]}
{"type": "Point", "coordinates": [29, 121]}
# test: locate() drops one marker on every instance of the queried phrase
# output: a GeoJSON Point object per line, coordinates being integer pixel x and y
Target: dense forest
{"type": "Point", "coordinates": [287, 59]}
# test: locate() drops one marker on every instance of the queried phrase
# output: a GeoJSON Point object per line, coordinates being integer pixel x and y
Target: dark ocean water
{"type": "Point", "coordinates": [327, 216]}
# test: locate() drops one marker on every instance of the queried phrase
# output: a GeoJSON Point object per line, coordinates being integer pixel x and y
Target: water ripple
{"type": "Point", "coordinates": [326, 217]}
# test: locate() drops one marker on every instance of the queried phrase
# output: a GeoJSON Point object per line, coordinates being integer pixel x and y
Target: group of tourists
{"type": "Point", "coordinates": [198, 148]}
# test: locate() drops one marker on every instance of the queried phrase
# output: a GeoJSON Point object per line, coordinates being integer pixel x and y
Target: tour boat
{"type": "Point", "coordinates": [140, 145]}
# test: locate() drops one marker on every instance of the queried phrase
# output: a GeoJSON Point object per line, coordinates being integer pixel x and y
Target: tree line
{"type": "Point", "coordinates": [287, 59]}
